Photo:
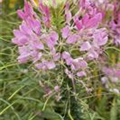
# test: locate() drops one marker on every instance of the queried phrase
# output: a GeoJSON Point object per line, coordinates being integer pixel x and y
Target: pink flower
{"type": "Point", "coordinates": [28, 11]}
{"type": "Point", "coordinates": [69, 74]}
{"type": "Point", "coordinates": [65, 32]}
{"type": "Point", "coordinates": [72, 38]}
{"type": "Point", "coordinates": [67, 57]}
{"type": "Point", "coordinates": [117, 41]}
{"type": "Point", "coordinates": [78, 63]}
{"type": "Point", "coordinates": [45, 65]}
{"type": "Point", "coordinates": [117, 73]}
{"type": "Point", "coordinates": [45, 14]}
{"type": "Point", "coordinates": [85, 46]}
{"type": "Point", "coordinates": [84, 3]}
{"type": "Point", "coordinates": [34, 25]}
{"type": "Point", "coordinates": [56, 88]}
{"type": "Point", "coordinates": [88, 22]}
{"type": "Point", "coordinates": [20, 39]}
{"type": "Point", "coordinates": [100, 37]}
{"type": "Point", "coordinates": [50, 65]}
{"type": "Point", "coordinates": [22, 35]}
{"type": "Point", "coordinates": [25, 29]}
{"type": "Point", "coordinates": [39, 41]}
{"type": "Point", "coordinates": [81, 74]}
{"type": "Point", "coordinates": [36, 56]}
{"type": "Point", "coordinates": [24, 54]}
{"type": "Point", "coordinates": [107, 71]}
{"type": "Point", "coordinates": [94, 21]}
{"type": "Point", "coordinates": [68, 14]}
{"type": "Point", "coordinates": [104, 80]}
{"type": "Point", "coordinates": [56, 56]}
{"type": "Point", "coordinates": [36, 44]}
{"type": "Point", "coordinates": [114, 90]}
{"type": "Point", "coordinates": [51, 40]}
{"type": "Point", "coordinates": [92, 55]}
{"type": "Point", "coordinates": [110, 71]}
{"type": "Point", "coordinates": [54, 36]}
{"type": "Point", "coordinates": [41, 66]}
{"type": "Point", "coordinates": [78, 23]}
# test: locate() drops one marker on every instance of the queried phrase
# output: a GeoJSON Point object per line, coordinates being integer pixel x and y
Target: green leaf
{"type": "Point", "coordinates": [113, 112]}
{"type": "Point", "coordinates": [51, 115]}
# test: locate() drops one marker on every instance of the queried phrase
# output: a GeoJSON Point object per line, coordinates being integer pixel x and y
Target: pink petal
{"type": "Point", "coordinates": [117, 73]}
{"type": "Point", "coordinates": [28, 8]}
{"type": "Point", "coordinates": [68, 61]}
{"type": "Point", "coordinates": [81, 74]}
{"type": "Point", "coordinates": [23, 59]}
{"type": "Point", "coordinates": [28, 11]}
{"type": "Point", "coordinates": [68, 17]}
{"type": "Point", "coordinates": [36, 44]}
{"type": "Point", "coordinates": [25, 29]}
{"type": "Point", "coordinates": [45, 14]}
{"type": "Point", "coordinates": [50, 43]}
{"type": "Point", "coordinates": [94, 21]}
{"type": "Point", "coordinates": [35, 25]}
{"type": "Point", "coordinates": [36, 56]}
{"type": "Point", "coordinates": [68, 13]}
{"type": "Point", "coordinates": [93, 55]}
{"type": "Point", "coordinates": [24, 54]}
{"type": "Point", "coordinates": [40, 66]}
{"type": "Point", "coordinates": [54, 36]}
{"type": "Point", "coordinates": [78, 63]}
{"type": "Point", "coordinates": [17, 33]}
{"type": "Point", "coordinates": [100, 37]}
{"type": "Point", "coordinates": [50, 65]}
{"type": "Point", "coordinates": [85, 46]}
{"type": "Point", "coordinates": [65, 32]}
{"type": "Point", "coordinates": [85, 19]}
{"type": "Point", "coordinates": [72, 39]}
{"type": "Point", "coordinates": [78, 24]}
{"type": "Point", "coordinates": [20, 41]}
{"type": "Point", "coordinates": [84, 3]}
{"type": "Point", "coordinates": [56, 57]}
{"type": "Point", "coordinates": [65, 55]}
{"type": "Point", "coordinates": [21, 14]}
{"type": "Point", "coordinates": [83, 64]}
{"type": "Point", "coordinates": [51, 40]}
{"type": "Point", "coordinates": [69, 74]}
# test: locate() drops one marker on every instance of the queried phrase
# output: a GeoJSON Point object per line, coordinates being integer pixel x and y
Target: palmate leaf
{"type": "Point", "coordinates": [102, 109]}
{"type": "Point", "coordinates": [118, 107]}
{"type": "Point", "coordinates": [113, 112]}
{"type": "Point", "coordinates": [51, 115]}
{"type": "Point", "coordinates": [50, 2]}
{"type": "Point", "coordinates": [58, 17]}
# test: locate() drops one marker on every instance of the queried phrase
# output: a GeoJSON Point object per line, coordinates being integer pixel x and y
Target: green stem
{"type": "Point", "coordinates": [73, 110]}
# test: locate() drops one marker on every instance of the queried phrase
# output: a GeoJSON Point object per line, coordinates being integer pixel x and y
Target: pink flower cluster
{"type": "Point", "coordinates": [86, 31]}
{"type": "Point", "coordinates": [111, 75]}
{"type": "Point", "coordinates": [32, 39]}
{"type": "Point", "coordinates": [115, 24]}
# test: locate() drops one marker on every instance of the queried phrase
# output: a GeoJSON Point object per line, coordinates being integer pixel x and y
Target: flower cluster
{"type": "Point", "coordinates": [82, 39]}
{"type": "Point", "coordinates": [32, 39]}
{"type": "Point", "coordinates": [115, 24]}
{"type": "Point", "coordinates": [111, 75]}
